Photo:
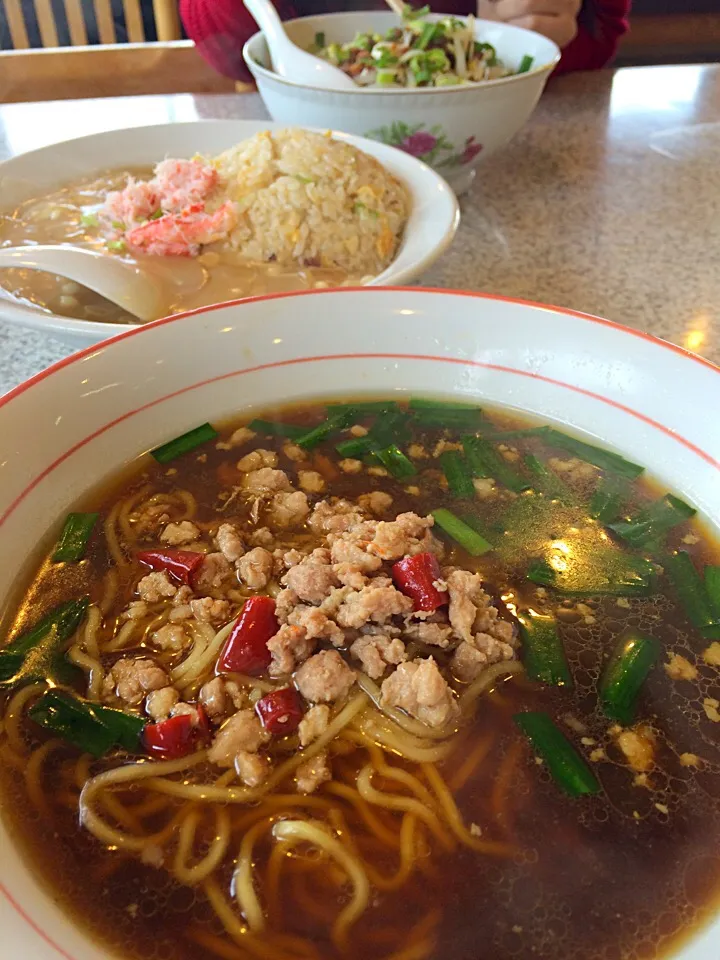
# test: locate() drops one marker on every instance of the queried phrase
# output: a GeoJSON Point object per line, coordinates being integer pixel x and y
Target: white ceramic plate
{"type": "Point", "coordinates": [96, 411]}
{"type": "Point", "coordinates": [433, 220]}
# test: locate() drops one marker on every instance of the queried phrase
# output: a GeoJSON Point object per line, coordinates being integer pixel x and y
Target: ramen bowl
{"type": "Point", "coordinates": [430, 228]}
{"type": "Point", "coordinates": [94, 414]}
{"type": "Point", "coordinates": [451, 129]}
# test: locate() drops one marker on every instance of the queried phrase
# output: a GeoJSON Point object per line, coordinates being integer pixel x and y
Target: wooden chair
{"type": "Point", "coordinates": [77, 69]}
{"type": "Point", "coordinates": [52, 33]}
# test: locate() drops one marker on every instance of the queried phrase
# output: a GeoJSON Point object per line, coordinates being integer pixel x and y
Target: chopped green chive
{"type": "Point", "coordinates": [74, 538]}
{"type": "Point", "coordinates": [363, 408]}
{"type": "Point", "coordinates": [613, 575]}
{"type": "Point", "coordinates": [525, 64]}
{"type": "Point", "coordinates": [439, 413]}
{"type": "Point", "coordinates": [335, 422]}
{"type": "Point", "coordinates": [274, 428]}
{"type": "Point", "coordinates": [546, 481]}
{"type": "Point", "coordinates": [356, 448]}
{"type": "Point", "coordinates": [37, 654]}
{"type": "Point", "coordinates": [184, 443]}
{"type": "Point", "coordinates": [90, 727]}
{"type": "Point", "coordinates": [654, 521]}
{"type": "Point", "coordinates": [567, 767]}
{"type": "Point", "coordinates": [692, 593]}
{"type": "Point", "coordinates": [470, 540]}
{"type": "Point", "coordinates": [607, 502]}
{"type": "Point", "coordinates": [544, 653]}
{"type": "Point", "coordinates": [604, 459]}
{"type": "Point", "coordinates": [630, 662]}
{"type": "Point", "coordinates": [457, 474]}
{"type": "Point", "coordinates": [485, 461]}
{"type": "Point", "coordinates": [712, 587]}
{"type": "Point", "coordinates": [395, 462]}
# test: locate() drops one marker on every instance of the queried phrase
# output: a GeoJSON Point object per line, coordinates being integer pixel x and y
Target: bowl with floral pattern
{"type": "Point", "coordinates": [452, 129]}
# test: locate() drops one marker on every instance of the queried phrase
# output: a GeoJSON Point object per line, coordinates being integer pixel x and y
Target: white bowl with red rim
{"type": "Point", "coordinates": [95, 412]}
{"type": "Point", "coordinates": [432, 222]}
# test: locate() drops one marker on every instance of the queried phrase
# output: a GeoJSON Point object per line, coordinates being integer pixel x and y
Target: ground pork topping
{"type": "Point", "coordinates": [680, 668]}
{"type": "Point", "coordinates": [243, 732]}
{"type": "Point", "coordinates": [256, 568]}
{"type": "Point", "coordinates": [252, 768]}
{"type": "Point", "coordinates": [289, 509]}
{"type": "Point", "coordinates": [378, 601]}
{"type": "Point", "coordinates": [638, 745]}
{"type": "Point", "coordinates": [324, 677]}
{"type": "Point", "coordinates": [239, 438]}
{"type": "Point", "coordinates": [131, 680]}
{"type": "Point", "coordinates": [311, 481]}
{"type": "Point", "coordinates": [229, 542]}
{"type": "Point", "coordinates": [219, 697]}
{"type": "Point", "coordinates": [311, 774]}
{"type": "Point", "coordinates": [336, 517]}
{"type": "Point", "coordinates": [213, 573]}
{"type": "Point", "coordinates": [352, 548]}
{"type": "Point", "coordinates": [471, 658]}
{"type": "Point", "coordinates": [289, 647]}
{"type": "Point", "coordinates": [207, 610]}
{"type": "Point", "coordinates": [160, 702]}
{"type": "Point", "coordinates": [257, 460]}
{"type": "Point", "coordinates": [312, 579]}
{"type": "Point", "coordinates": [433, 634]}
{"type": "Point", "coordinates": [156, 586]}
{"type": "Point", "coordinates": [316, 625]}
{"type": "Point", "coordinates": [375, 653]}
{"type": "Point", "coordinates": [266, 481]}
{"type": "Point", "coordinates": [406, 535]}
{"type": "Point", "coordinates": [418, 688]}
{"type": "Point", "coordinates": [170, 637]}
{"type": "Point", "coordinates": [376, 502]}
{"type": "Point", "coordinates": [471, 610]}
{"type": "Point", "coordinates": [176, 534]}
{"type": "Point", "coordinates": [314, 723]}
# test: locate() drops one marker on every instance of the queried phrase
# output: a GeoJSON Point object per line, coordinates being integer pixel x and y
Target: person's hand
{"type": "Point", "coordinates": [556, 19]}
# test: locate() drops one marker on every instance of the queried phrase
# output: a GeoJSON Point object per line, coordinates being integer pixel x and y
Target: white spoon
{"type": "Point", "coordinates": [122, 283]}
{"type": "Point", "coordinates": [289, 60]}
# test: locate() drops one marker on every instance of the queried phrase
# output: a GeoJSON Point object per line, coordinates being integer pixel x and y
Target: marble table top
{"type": "Point", "coordinates": [607, 202]}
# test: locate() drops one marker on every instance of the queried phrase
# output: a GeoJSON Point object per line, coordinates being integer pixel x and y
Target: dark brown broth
{"type": "Point", "coordinates": [611, 877]}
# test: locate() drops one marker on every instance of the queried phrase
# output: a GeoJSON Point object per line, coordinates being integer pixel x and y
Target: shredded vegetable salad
{"type": "Point", "coordinates": [419, 53]}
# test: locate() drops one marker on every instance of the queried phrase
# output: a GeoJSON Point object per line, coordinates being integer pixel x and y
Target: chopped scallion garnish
{"type": "Point", "coordinates": [92, 728]}
{"type": "Point", "coordinates": [274, 428]}
{"type": "Point", "coordinates": [692, 593]}
{"type": "Point", "coordinates": [457, 474]}
{"type": "Point", "coordinates": [604, 459]}
{"type": "Point", "coordinates": [485, 461]}
{"type": "Point", "coordinates": [567, 767]}
{"type": "Point", "coordinates": [626, 670]}
{"type": "Point", "coordinates": [395, 462]}
{"type": "Point", "coordinates": [333, 423]}
{"type": "Point", "coordinates": [470, 540]}
{"type": "Point", "coordinates": [653, 523]}
{"type": "Point", "coordinates": [74, 538]}
{"type": "Point", "coordinates": [37, 654]}
{"type": "Point", "coordinates": [526, 63]}
{"type": "Point", "coordinates": [184, 443]}
{"type": "Point", "coordinates": [544, 653]}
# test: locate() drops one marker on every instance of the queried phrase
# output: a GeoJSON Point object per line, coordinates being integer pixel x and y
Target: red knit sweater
{"type": "Point", "coordinates": [221, 27]}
